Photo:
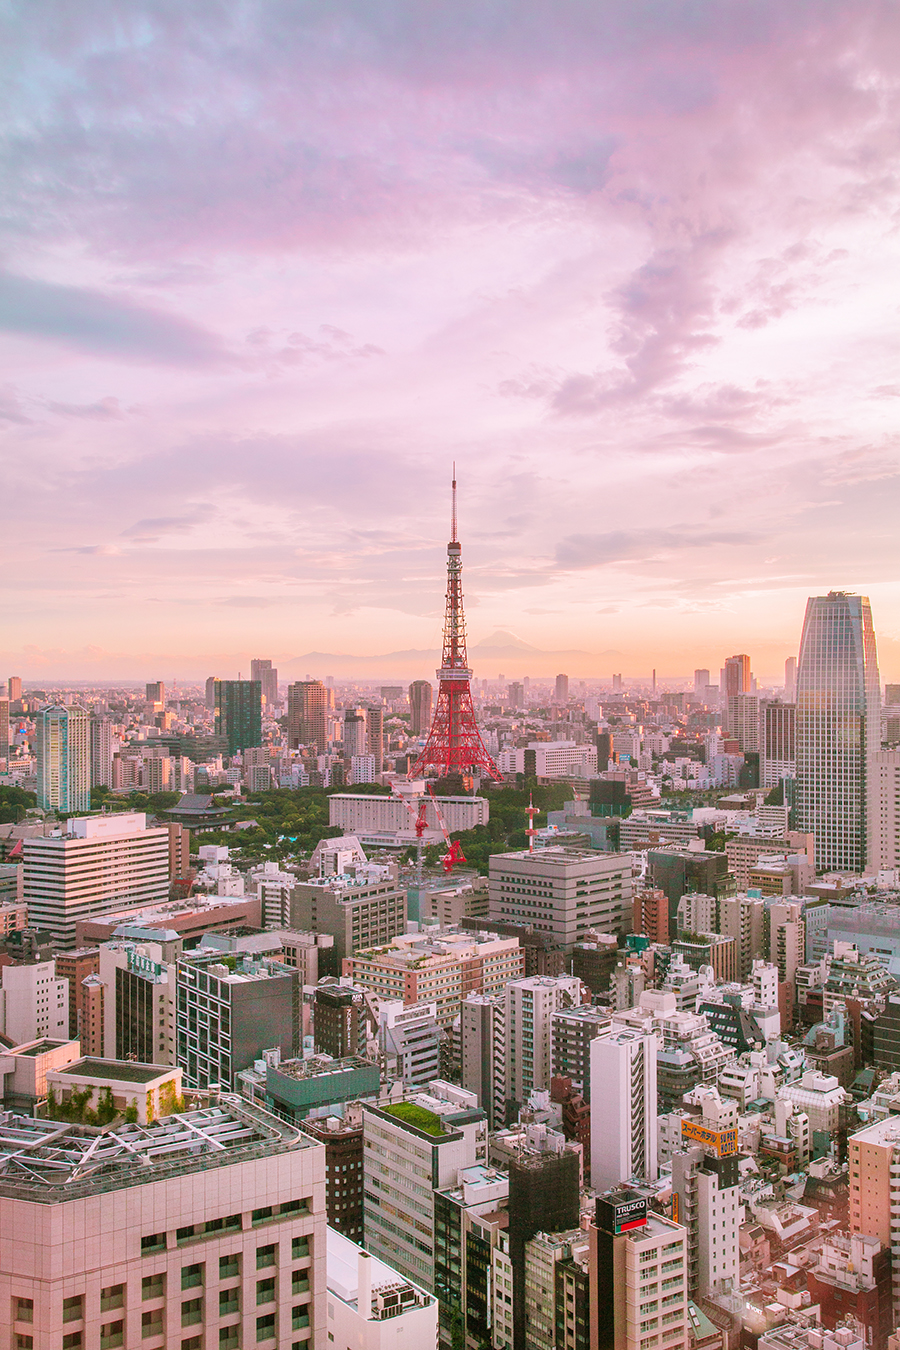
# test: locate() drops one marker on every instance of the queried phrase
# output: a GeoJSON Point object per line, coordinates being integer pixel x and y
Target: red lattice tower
{"type": "Point", "coordinates": [454, 743]}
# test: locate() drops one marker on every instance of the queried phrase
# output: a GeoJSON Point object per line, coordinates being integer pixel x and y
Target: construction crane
{"type": "Point", "coordinates": [454, 852]}
{"type": "Point", "coordinates": [420, 822]}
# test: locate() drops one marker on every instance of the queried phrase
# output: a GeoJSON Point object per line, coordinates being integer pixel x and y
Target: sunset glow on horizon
{"type": "Point", "coordinates": [268, 270]}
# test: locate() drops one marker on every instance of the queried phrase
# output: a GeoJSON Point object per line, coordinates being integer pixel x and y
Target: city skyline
{"type": "Point", "coordinates": [265, 279]}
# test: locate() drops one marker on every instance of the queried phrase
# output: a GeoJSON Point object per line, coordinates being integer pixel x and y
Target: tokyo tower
{"type": "Point", "coordinates": [454, 743]}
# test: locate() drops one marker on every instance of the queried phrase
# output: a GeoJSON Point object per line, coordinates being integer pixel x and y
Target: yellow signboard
{"type": "Point", "coordinates": [724, 1142]}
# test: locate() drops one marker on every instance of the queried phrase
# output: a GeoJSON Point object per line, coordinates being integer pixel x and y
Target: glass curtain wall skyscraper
{"type": "Point", "coordinates": [63, 752]}
{"type": "Point", "coordinates": [239, 713]}
{"type": "Point", "coordinates": [838, 726]}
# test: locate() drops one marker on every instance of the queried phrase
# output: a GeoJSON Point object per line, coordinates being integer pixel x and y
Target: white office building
{"type": "Point", "coordinates": [412, 1149]}
{"type": "Point", "coordinates": [523, 1052]}
{"type": "Point", "coordinates": [376, 820]}
{"type": "Point", "coordinates": [371, 1306]}
{"type": "Point", "coordinates": [623, 1107]}
{"type": "Point", "coordinates": [33, 1003]}
{"type": "Point", "coordinates": [103, 864]}
{"type": "Point", "coordinates": [550, 759]}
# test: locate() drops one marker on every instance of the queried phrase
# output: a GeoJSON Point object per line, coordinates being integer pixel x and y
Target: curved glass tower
{"type": "Point", "coordinates": [838, 726]}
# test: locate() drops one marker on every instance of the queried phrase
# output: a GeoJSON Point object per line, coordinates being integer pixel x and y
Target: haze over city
{"type": "Point", "coordinates": [269, 270]}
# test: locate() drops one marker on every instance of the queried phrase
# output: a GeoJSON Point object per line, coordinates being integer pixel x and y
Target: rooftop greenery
{"type": "Point", "coordinates": [417, 1116]}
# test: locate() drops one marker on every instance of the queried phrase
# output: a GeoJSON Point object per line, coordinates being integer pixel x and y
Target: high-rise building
{"type": "Point", "coordinates": [225, 1018]}
{"type": "Point", "coordinates": [743, 721]}
{"type": "Point", "coordinates": [63, 752]}
{"type": "Point", "coordinates": [543, 1198]}
{"type": "Point", "coordinates": [790, 679]}
{"type": "Point", "coordinates": [4, 727]}
{"type": "Point", "coordinates": [101, 752]}
{"type": "Point", "coordinates": [573, 1030]}
{"type": "Point", "coordinates": [883, 810]}
{"type": "Point", "coordinates": [34, 1002]}
{"type": "Point", "coordinates": [564, 891]}
{"type": "Point", "coordinates": [365, 910]}
{"type": "Point", "coordinates": [375, 737]}
{"type": "Point", "coordinates": [838, 726]}
{"type": "Point", "coordinates": [354, 733]}
{"type": "Point", "coordinates": [420, 700]}
{"type": "Point", "coordinates": [623, 1107]}
{"type": "Point", "coordinates": [363, 1293]}
{"type": "Point", "coordinates": [75, 966]}
{"type": "Point", "coordinates": [239, 713]}
{"type": "Point", "coordinates": [735, 677]}
{"type": "Point", "coordinates": [156, 692]}
{"type": "Point", "coordinates": [515, 696]}
{"type": "Point", "coordinates": [264, 671]}
{"type": "Point", "coordinates": [638, 1294]}
{"type": "Point", "coordinates": [211, 683]}
{"type": "Point", "coordinates": [104, 864]}
{"type": "Point", "coordinates": [307, 704]}
{"type": "Point", "coordinates": [14, 688]}
{"type": "Point", "coordinates": [219, 1222]}
{"type": "Point", "coordinates": [523, 1059]}
{"type": "Point", "coordinates": [701, 684]}
{"type": "Point", "coordinates": [561, 689]}
{"type": "Point", "coordinates": [777, 743]}
{"type": "Point", "coordinates": [414, 1148]}
{"type": "Point", "coordinates": [874, 1157]}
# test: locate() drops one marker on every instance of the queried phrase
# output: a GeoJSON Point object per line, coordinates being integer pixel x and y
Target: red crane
{"type": "Point", "coordinates": [454, 852]}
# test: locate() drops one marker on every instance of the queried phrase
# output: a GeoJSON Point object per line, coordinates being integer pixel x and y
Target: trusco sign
{"type": "Point", "coordinates": [724, 1142]}
{"type": "Point", "coordinates": [623, 1213]}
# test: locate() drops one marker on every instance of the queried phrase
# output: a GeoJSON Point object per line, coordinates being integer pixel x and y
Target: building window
{"type": "Point", "coordinates": [300, 1282]}
{"type": "Point", "coordinates": [112, 1334]}
{"type": "Point", "coordinates": [265, 1290]}
{"type": "Point", "coordinates": [23, 1342]}
{"type": "Point", "coordinates": [153, 1286]}
{"type": "Point", "coordinates": [229, 1301]}
{"type": "Point", "coordinates": [265, 1327]}
{"type": "Point", "coordinates": [300, 1317]}
{"type": "Point", "coordinates": [23, 1309]}
{"type": "Point", "coordinates": [73, 1340]}
{"type": "Point", "coordinates": [260, 1215]}
{"type": "Point", "coordinates": [299, 1248]}
{"type": "Point", "coordinates": [152, 1323]}
{"type": "Point", "coordinates": [191, 1311]}
{"type": "Point", "coordinates": [73, 1308]}
{"type": "Point", "coordinates": [192, 1343]}
{"type": "Point", "coordinates": [191, 1277]}
{"type": "Point", "coordinates": [112, 1297]}
{"type": "Point", "coordinates": [154, 1242]}
{"type": "Point", "coordinates": [229, 1337]}
{"type": "Point", "coordinates": [266, 1256]}
{"type": "Point", "coordinates": [229, 1266]}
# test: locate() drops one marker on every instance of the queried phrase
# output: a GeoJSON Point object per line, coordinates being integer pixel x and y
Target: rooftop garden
{"type": "Point", "coordinates": [417, 1116]}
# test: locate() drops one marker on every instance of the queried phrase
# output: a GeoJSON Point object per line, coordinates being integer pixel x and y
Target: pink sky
{"type": "Point", "coordinates": [268, 269]}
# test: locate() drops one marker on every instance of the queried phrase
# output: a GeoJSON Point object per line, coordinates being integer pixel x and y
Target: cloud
{"type": "Point", "coordinates": [103, 410]}
{"type": "Point", "coordinates": [595, 550]}
{"type": "Point", "coordinates": [100, 324]}
{"type": "Point", "coordinates": [146, 531]}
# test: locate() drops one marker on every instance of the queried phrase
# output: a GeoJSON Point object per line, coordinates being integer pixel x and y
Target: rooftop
{"type": "Point", "coordinates": [119, 1070]}
{"type": "Point", "coordinates": [46, 1162]}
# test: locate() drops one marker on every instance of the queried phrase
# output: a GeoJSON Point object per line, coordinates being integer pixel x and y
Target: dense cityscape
{"type": "Point", "coordinates": [518, 1016]}
{"type": "Point", "coordinates": [449, 745]}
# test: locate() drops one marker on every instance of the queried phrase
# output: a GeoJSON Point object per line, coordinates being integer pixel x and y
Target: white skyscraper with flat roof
{"type": "Point", "coordinates": [838, 726]}
{"type": "Point", "coordinates": [623, 1107]}
{"type": "Point", "coordinates": [62, 749]}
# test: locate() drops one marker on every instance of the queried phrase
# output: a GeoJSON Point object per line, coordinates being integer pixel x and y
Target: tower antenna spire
{"type": "Point", "coordinates": [453, 538]}
{"type": "Point", "coordinates": [454, 744]}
